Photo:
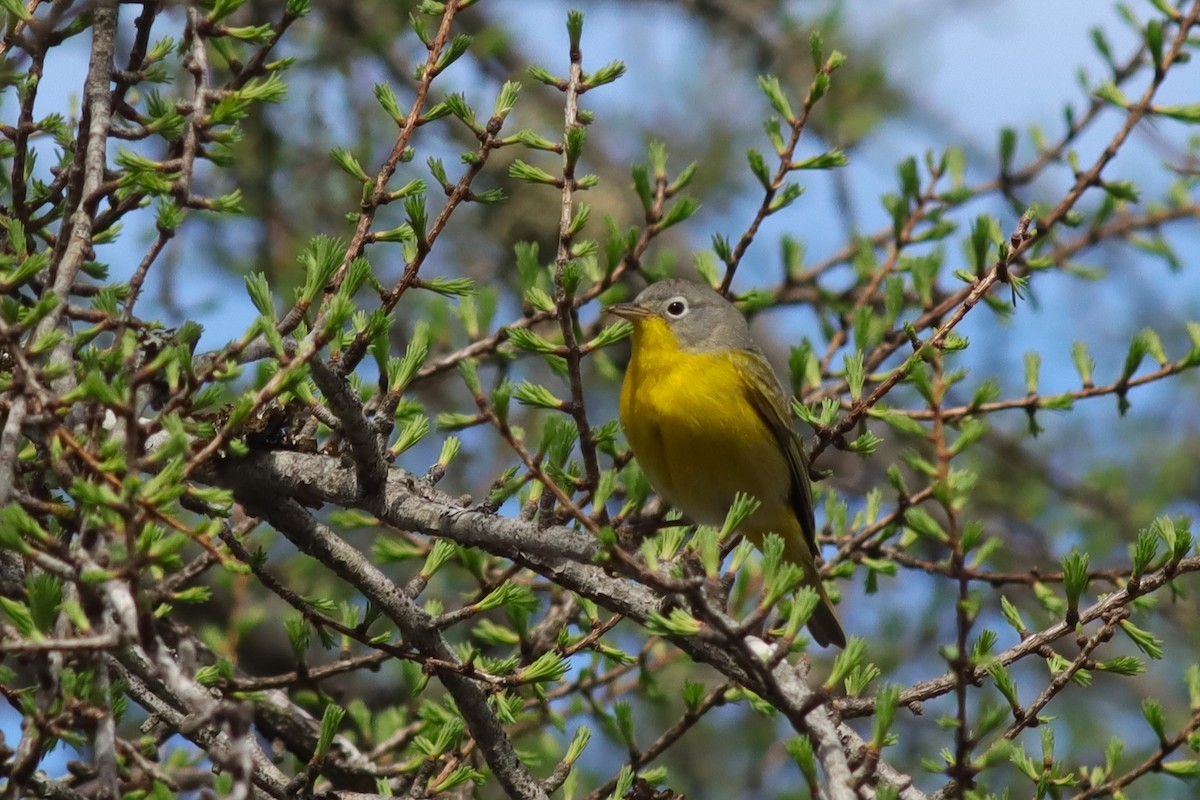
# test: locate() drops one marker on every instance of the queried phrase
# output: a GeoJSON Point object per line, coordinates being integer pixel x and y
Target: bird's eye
{"type": "Point", "coordinates": [677, 307]}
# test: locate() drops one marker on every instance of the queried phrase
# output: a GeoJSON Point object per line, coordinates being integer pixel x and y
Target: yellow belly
{"type": "Point", "coordinates": [697, 437]}
{"type": "Point", "coordinates": [700, 441]}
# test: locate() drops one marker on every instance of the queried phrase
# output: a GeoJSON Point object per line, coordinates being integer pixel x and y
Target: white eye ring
{"type": "Point", "coordinates": [677, 307]}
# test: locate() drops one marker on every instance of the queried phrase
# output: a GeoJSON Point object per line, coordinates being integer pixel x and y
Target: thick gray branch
{"type": "Point", "coordinates": [362, 437]}
{"type": "Point", "coordinates": [564, 555]}
{"type": "Point", "coordinates": [98, 107]}
{"type": "Point", "coordinates": [418, 629]}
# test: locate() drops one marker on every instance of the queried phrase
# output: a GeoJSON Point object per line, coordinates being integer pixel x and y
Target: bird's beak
{"type": "Point", "coordinates": [630, 311]}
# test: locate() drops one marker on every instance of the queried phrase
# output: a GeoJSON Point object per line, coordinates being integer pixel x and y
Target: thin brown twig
{"type": "Point", "coordinates": [563, 298]}
{"type": "Point", "coordinates": [667, 738]}
{"type": "Point", "coordinates": [1153, 763]}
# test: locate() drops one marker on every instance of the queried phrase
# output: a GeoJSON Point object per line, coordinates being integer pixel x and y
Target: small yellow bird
{"type": "Point", "coordinates": [707, 418]}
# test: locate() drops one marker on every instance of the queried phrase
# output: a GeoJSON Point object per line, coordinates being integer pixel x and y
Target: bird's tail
{"type": "Point", "coordinates": [823, 624]}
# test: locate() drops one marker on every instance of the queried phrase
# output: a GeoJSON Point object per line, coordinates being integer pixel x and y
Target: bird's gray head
{"type": "Point", "coordinates": [700, 319]}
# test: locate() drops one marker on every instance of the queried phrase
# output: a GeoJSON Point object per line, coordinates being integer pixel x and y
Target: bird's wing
{"type": "Point", "coordinates": [762, 390]}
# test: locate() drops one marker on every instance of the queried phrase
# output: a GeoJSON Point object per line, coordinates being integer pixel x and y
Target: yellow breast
{"type": "Point", "coordinates": [695, 434]}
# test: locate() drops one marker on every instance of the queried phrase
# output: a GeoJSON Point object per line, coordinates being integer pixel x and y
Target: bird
{"type": "Point", "coordinates": [706, 418]}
